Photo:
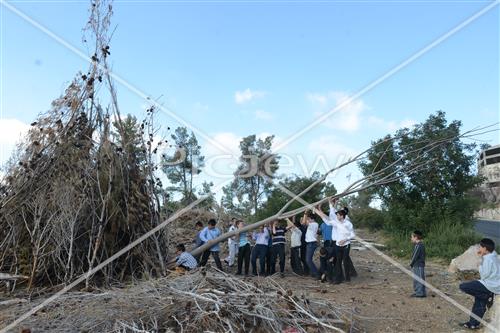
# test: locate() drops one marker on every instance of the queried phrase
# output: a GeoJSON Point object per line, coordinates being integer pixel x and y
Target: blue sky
{"type": "Point", "coordinates": [239, 68]}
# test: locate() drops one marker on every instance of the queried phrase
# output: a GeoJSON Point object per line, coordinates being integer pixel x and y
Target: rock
{"type": "Point", "coordinates": [468, 261]}
{"type": "Point", "coordinates": [494, 313]}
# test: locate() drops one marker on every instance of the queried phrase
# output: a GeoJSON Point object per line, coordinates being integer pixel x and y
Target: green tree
{"type": "Point", "coordinates": [186, 162]}
{"type": "Point", "coordinates": [254, 175]}
{"type": "Point", "coordinates": [277, 198]}
{"type": "Point", "coordinates": [438, 192]}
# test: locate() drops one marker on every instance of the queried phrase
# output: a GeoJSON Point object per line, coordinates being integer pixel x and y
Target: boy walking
{"type": "Point", "coordinates": [484, 289]}
{"type": "Point", "coordinates": [417, 264]}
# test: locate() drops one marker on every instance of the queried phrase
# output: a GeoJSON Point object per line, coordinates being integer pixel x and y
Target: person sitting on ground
{"type": "Point", "coordinates": [261, 238]}
{"type": "Point", "coordinates": [486, 287]}
{"type": "Point", "coordinates": [184, 260]}
{"type": "Point", "coordinates": [208, 234]}
{"type": "Point", "coordinates": [417, 264]}
{"type": "Point", "coordinates": [295, 244]}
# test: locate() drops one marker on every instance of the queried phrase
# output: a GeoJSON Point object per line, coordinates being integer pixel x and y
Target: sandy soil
{"type": "Point", "coordinates": [381, 293]}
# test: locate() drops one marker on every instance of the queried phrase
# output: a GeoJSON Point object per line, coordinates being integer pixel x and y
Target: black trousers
{"type": "Point", "coordinates": [215, 255]}
{"type": "Point", "coordinates": [326, 265]}
{"type": "Point", "coordinates": [269, 258]}
{"type": "Point", "coordinates": [295, 260]}
{"type": "Point", "coordinates": [303, 258]}
{"type": "Point", "coordinates": [348, 263]}
{"type": "Point", "coordinates": [278, 251]}
{"type": "Point", "coordinates": [259, 251]}
{"type": "Point", "coordinates": [340, 271]}
{"type": "Point", "coordinates": [480, 294]}
{"type": "Point", "coordinates": [244, 256]}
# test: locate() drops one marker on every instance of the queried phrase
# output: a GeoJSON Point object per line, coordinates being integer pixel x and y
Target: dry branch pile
{"type": "Point", "coordinates": [205, 300]}
{"type": "Point", "coordinates": [82, 184]}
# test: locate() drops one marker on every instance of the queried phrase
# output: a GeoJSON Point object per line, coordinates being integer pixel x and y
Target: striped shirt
{"type": "Point", "coordinates": [187, 260]}
{"type": "Point", "coordinates": [279, 235]}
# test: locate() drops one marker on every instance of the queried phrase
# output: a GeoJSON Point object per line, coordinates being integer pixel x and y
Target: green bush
{"type": "Point", "coordinates": [442, 241]}
{"type": "Point", "coordinates": [370, 218]}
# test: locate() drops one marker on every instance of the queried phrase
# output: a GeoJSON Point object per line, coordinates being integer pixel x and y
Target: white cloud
{"type": "Point", "coordinates": [331, 147]}
{"type": "Point", "coordinates": [12, 130]}
{"type": "Point", "coordinates": [228, 140]}
{"type": "Point", "coordinates": [231, 142]}
{"type": "Point", "coordinates": [390, 125]}
{"type": "Point", "coordinates": [346, 113]}
{"type": "Point", "coordinates": [247, 95]}
{"type": "Point", "coordinates": [263, 115]}
{"type": "Point", "coordinates": [11, 133]}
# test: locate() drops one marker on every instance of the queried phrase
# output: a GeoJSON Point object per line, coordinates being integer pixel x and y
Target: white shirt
{"type": "Point", "coordinates": [296, 237]}
{"type": "Point", "coordinates": [490, 272]}
{"type": "Point", "coordinates": [334, 227]}
{"type": "Point", "coordinates": [312, 232]}
{"type": "Point", "coordinates": [341, 231]}
{"type": "Point", "coordinates": [230, 240]}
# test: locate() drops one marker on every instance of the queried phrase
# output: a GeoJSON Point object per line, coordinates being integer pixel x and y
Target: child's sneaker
{"type": "Point", "coordinates": [489, 303]}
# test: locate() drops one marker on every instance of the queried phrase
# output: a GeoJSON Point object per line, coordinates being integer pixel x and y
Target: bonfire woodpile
{"type": "Point", "coordinates": [202, 301]}
{"type": "Point", "coordinates": [82, 184]}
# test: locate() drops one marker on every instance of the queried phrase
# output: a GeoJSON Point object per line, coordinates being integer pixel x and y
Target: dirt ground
{"type": "Point", "coordinates": [380, 295]}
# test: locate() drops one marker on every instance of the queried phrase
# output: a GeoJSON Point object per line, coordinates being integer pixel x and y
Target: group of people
{"type": "Point", "coordinates": [265, 247]}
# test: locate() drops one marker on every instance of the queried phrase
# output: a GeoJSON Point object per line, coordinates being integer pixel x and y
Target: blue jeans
{"type": "Point", "coordinates": [418, 287]}
{"type": "Point", "coordinates": [481, 295]}
{"type": "Point", "coordinates": [259, 251]}
{"type": "Point", "coordinates": [310, 249]}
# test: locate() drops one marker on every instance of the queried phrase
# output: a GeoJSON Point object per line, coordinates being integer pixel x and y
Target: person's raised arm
{"type": "Point", "coordinates": [331, 203]}
{"type": "Point", "coordinates": [328, 220]}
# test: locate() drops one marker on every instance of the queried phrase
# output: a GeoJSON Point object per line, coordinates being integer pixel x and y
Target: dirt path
{"type": "Point", "coordinates": [380, 296]}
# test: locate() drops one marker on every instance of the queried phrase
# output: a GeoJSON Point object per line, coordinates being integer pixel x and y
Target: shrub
{"type": "Point", "coordinates": [445, 241]}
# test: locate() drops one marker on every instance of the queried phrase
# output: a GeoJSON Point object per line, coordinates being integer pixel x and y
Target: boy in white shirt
{"type": "Point", "coordinates": [295, 243]}
{"type": "Point", "coordinates": [344, 233]}
{"type": "Point", "coordinates": [311, 242]}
